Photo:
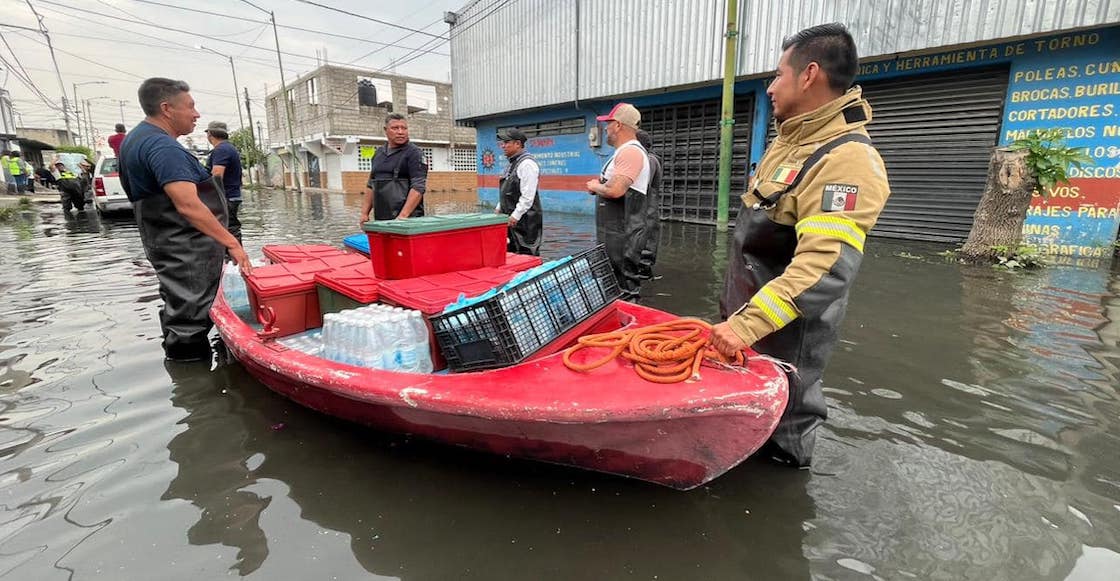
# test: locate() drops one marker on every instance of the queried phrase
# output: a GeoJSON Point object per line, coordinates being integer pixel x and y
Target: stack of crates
{"type": "Point", "coordinates": [288, 289]}
{"type": "Point", "coordinates": [536, 308]}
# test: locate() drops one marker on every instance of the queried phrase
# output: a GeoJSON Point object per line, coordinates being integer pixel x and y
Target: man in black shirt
{"type": "Point", "coordinates": [398, 178]}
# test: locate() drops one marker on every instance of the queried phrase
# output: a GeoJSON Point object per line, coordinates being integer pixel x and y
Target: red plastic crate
{"type": "Point", "coordinates": [397, 256]}
{"type": "Point", "coordinates": [278, 253]}
{"type": "Point", "coordinates": [355, 282]}
{"type": "Point", "coordinates": [289, 290]}
{"type": "Point", "coordinates": [431, 294]}
{"type": "Point", "coordinates": [519, 262]}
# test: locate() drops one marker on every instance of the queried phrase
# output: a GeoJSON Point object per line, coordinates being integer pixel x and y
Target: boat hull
{"type": "Point", "coordinates": [609, 420]}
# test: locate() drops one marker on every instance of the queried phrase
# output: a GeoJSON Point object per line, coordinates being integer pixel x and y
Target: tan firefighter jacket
{"type": "Point", "coordinates": [834, 206]}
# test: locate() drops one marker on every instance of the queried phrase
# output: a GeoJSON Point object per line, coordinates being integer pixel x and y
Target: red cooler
{"type": "Point", "coordinates": [289, 290]}
{"type": "Point", "coordinates": [436, 244]}
{"type": "Point", "coordinates": [277, 253]}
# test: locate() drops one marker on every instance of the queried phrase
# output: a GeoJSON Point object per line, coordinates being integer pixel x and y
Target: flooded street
{"type": "Point", "coordinates": [973, 434]}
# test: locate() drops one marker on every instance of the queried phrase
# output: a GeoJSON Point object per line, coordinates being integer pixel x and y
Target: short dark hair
{"type": "Point", "coordinates": [644, 138]}
{"type": "Point", "coordinates": [120, 128]}
{"type": "Point", "coordinates": [14, 153]}
{"type": "Point", "coordinates": [394, 117]}
{"type": "Point", "coordinates": [158, 90]}
{"type": "Point", "coordinates": [830, 46]}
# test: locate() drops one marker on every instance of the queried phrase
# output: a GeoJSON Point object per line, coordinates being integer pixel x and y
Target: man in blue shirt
{"type": "Point", "coordinates": [225, 163]}
{"type": "Point", "coordinates": [181, 214]}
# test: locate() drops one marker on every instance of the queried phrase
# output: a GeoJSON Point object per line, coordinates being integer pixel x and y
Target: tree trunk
{"type": "Point", "coordinates": [999, 217]}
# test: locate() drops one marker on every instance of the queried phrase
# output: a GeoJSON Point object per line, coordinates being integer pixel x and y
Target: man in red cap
{"type": "Point", "coordinates": [621, 188]}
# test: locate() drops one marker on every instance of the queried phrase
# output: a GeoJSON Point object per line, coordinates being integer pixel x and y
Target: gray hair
{"type": "Point", "coordinates": [394, 117]}
{"type": "Point", "coordinates": [157, 90]}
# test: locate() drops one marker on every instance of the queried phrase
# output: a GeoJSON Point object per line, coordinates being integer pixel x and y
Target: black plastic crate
{"type": "Point", "coordinates": [515, 323]}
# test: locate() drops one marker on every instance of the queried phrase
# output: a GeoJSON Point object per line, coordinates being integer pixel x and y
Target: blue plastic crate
{"type": "Point", "coordinates": [359, 242]}
{"type": "Point", "coordinates": [519, 320]}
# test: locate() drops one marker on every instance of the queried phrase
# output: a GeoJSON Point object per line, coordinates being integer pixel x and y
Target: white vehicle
{"type": "Point", "coordinates": [108, 195]}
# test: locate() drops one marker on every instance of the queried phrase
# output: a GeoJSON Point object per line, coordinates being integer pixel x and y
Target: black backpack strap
{"type": "Point", "coordinates": [767, 202]}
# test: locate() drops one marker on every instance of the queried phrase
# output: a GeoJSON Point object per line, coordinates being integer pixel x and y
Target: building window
{"type": "Point", "coordinates": [427, 156]}
{"type": "Point", "coordinates": [292, 96]}
{"type": "Point", "coordinates": [375, 92]}
{"type": "Point", "coordinates": [365, 157]}
{"type": "Point", "coordinates": [464, 159]}
{"type": "Point", "coordinates": [562, 127]}
{"type": "Point", "coordinates": [421, 98]}
{"type": "Point", "coordinates": [313, 91]}
{"type": "Point", "coordinates": [275, 112]}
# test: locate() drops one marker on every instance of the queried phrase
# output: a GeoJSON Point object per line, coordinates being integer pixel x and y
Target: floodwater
{"type": "Point", "coordinates": [973, 434]}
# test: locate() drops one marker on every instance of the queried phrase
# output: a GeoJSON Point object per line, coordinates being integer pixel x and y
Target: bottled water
{"type": "Point", "coordinates": [235, 291]}
{"type": "Point", "coordinates": [378, 337]}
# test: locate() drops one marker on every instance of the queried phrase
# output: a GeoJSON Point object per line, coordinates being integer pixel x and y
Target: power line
{"type": "Point", "coordinates": [253, 60]}
{"type": "Point", "coordinates": [173, 29]}
{"type": "Point", "coordinates": [311, 30]}
{"type": "Point", "coordinates": [371, 19]}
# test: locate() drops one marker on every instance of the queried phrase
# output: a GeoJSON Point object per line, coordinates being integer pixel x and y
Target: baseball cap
{"type": "Point", "coordinates": [217, 126]}
{"type": "Point", "coordinates": [513, 134]}
{"type": "Point", "coordinates": [624, 113]}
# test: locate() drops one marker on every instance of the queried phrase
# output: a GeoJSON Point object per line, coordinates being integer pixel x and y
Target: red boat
{"type": "Point", "coordinates": [610, 420]}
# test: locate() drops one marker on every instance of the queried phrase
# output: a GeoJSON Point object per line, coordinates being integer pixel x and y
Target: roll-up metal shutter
{"type": "Point", "coordinates": [686, 138]}
{"type": "Point", "coordinates": [936, 134]}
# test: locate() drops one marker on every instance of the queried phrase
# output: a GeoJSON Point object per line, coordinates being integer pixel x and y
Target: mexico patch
{"type": "Point", "coordinates": [785, 174]}
{"type": "Point", "coordinates": [839, 198]}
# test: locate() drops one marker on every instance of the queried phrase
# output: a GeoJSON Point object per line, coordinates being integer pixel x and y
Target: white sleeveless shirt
{"type": "Point", "coordinates": [641, 184]}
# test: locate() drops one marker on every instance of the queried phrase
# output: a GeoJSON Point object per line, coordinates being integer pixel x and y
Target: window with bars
{"type": "Point", "coordinates": [365, 157]}
{"type": "Point", "coordinates": [427, 156]}
{"type": "Point", "coordinates": [464, 159]}
{"type": "Point", "coordinates": [562, 127]}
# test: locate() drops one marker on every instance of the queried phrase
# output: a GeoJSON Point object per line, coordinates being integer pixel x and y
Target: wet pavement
{"type": "Point", "coordinates": [973, 434]}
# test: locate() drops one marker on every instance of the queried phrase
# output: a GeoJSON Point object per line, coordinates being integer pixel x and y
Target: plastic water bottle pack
{"type": "Point", "coordinates": [378, 337]}
{"type": "Point", "coordinates": [235, 291]}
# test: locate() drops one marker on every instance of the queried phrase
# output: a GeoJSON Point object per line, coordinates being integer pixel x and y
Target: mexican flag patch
{"type": "Point", "coordinates": [785, 174]}
{"type": "Point", "coordinates": [839, 198]}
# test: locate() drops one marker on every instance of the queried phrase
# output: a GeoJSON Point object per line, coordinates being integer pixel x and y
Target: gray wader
{"type": "Point", "coordinates": [525, 237]}
{"type": "Point", "coordinates": [188, 265]}
{"type": "Point", "coordinates": [761, 252]}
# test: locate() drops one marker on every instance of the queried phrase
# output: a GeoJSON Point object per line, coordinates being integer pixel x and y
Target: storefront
{"type": "Point", "coordinates": [937, 115]}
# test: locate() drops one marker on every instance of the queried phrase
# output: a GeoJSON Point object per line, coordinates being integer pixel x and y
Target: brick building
{"type": "Point", "coordinates": [338, 119]}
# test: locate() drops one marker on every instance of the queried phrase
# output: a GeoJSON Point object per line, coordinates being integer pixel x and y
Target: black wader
{"type": "Point", "coordinates": [761, 251]}
{"type": "Point", "coordinates": [620, 225]}
{"type": "Point", "coordinates": [525, 237]}
{"type": "Point", "coordinates": [188, 264]}
{"type": "Point", "coordinates": [389, 195]}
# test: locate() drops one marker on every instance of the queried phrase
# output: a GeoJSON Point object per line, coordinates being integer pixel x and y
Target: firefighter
{"type": "Point", "coordinates": [69, 188]}
{"type": "Point", "coordinates": [800, 234]}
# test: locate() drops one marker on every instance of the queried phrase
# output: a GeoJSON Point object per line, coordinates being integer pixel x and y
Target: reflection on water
{"type": "Point", "coordinates": [972, 434]}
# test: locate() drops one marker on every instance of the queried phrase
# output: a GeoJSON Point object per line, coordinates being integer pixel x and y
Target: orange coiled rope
{"type": "Point", "coordinates": [669, 352]}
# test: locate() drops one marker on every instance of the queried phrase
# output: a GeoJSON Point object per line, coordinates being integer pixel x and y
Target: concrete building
{"type": "Point", "coordinates": [948, 81]}
{"type": "Point", "coordinates": [39, 144]}
{"type": "Point", "coordinates": [7, 121]}
{"type": "Point", "coordinates": [338, 120]}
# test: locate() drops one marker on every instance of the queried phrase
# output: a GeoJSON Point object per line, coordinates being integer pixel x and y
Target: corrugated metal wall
{"type": "Point", "coordinates": [510, 55]}
{"type": "Point", "coordinates": [886, 27]}
{"type": "Point", "coordinates": [629, 46]}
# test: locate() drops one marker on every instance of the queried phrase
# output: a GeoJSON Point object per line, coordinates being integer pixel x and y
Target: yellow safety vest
{"type": "Point", "coordinates": [65, 175]}
{"type": "Point", "coordinates": [14, 167]}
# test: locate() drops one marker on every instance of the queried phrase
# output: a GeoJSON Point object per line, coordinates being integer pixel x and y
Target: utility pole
{"type": "Point", "coordinates": [727, 117]}
{"type": "Point", "coordinates": [78, 110]}
{"type": "Point", "coordinates": [252, 135]}
{"type": "Point", "coordinates": [89, 125]}
{"type": "Point", "coordinates": [57, 73]}
{"type": "Point", "coordinates": [283, 95]}
{"type": "Point", "coordinates": [121, 102]}
{"type": "Point", "coordinates": [240, 118]}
